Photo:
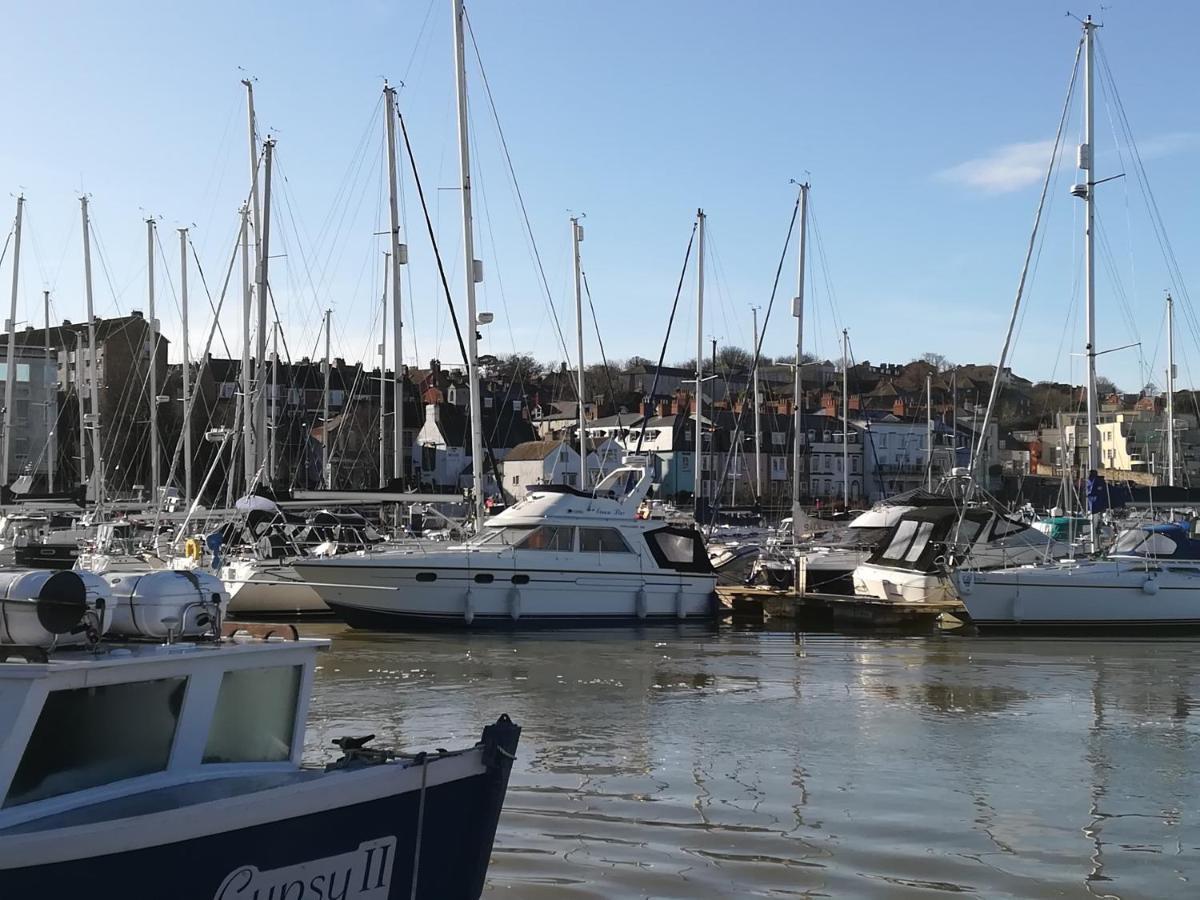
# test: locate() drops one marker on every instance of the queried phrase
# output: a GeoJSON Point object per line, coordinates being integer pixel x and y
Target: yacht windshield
{"type": "Point", "coordinates": [501, 537]}
{"type": "Point", "coordinates": [1144, 543]}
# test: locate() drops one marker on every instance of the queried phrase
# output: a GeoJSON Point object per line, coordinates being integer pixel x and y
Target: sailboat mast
{"type": "Point", "coordinates": [186, 370]}
{"type": "Point", "coordinates": [10, 369]}
{"type": "Point", "coordinates": [48, 410]}
{"type": "Point", "coordinates": [399, 258]}
{"type": "Point", "coordinates": [152, 378]}
{"type": "Point", "coordinates": [845, 418]}
{"type": "Point", "coordinates": [576, 239]}
{"type": "Point", "coordinates": [1170, 391]}
{"type": "Point", "coordinates": [326, 469]}
{"type": "Point", "coordinates": [93, 371]}
{"type": "Point", "coordinates": [247, 307]}
{"type": "Point", "coordinates": [260, 356]}
{"type": "Point", "coordinates": [757, 415]}
{"type": "Point", "coordinates": [797, 373]}
{"type": "Point", "coordinates": [273, 419]}
{"type": "Point", "coordinates": [698, 472]}
{"type": "Point", "coordinates": [383, 320]}
{"type": "Point", "coordinates": [929, 432]}
{"type": "Point", "coordinates": [471, 267]}
{"type": "Point", "coordinates": [1087, 164]}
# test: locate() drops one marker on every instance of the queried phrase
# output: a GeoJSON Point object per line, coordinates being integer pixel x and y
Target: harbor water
{"type": "Point", "coordinates": [692, 762]}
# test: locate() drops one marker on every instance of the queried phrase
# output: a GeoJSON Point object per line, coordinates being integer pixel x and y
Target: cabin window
{"type": "Point", "coordinates": [1005, 527]}
{"type": "Point", "coordinates": [681, 549]}
{"type": "Point", "coordinates": [1145, 543]}
{"type": "Point", "coordinates": [510, 535]}
{"type": "Point", "coordinates": [602, 540]}
{"type": "Point", "coordinates": [87, 737]}
{"type": "Point", "coordinates": [555, 538]}
{"type": "Point", "coordinates": [255, 716]}
{"type": "Point", "coordinates": [900, 540]}
{"type": "Point", "coordinates": [918, 544]}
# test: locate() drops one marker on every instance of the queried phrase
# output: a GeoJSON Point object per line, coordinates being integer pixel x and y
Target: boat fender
{"type": "Point", "coordinates": [641, 603]}
{"type": "Point", "coordinates": [680, 603]}
{"type": "Point", "coordinates": [469, 608]}
{"type": "Point", "coordinates": [192, 549]}
{"type": "Point", "coordinates": [1150, 586]}
{"type": "Point", "coordinates": [514, 602]}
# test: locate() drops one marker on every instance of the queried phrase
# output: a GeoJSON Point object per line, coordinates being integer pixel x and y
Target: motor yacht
{"type": "Point", "coordinates": [559, 556]}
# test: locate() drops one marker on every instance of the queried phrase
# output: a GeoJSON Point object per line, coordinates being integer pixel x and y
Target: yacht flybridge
{"type": "Point", "coordinates": [559, 556]}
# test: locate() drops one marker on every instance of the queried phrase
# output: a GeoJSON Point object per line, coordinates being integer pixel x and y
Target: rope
{"type": "Point", "coordinates": [420, 828]}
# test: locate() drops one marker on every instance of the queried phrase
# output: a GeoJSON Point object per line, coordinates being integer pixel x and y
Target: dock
{"type": "Point", "coordinates": [815, 610]}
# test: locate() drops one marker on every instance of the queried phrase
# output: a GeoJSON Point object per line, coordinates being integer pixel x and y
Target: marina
{"type": "Point", "coordinates": [340, 557]}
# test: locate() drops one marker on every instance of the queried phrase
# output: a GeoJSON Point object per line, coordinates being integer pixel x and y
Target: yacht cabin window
{"type": "Point", "coordinates": [1145, 543]}
{"type": "Point", "coordinates": [602, 540]}
{"type": "Point", "coordinates": [900, 540]}
{"type": "Point", "coordinates": [510, 535]}
{"type": "Point", "coordinates": [91, 736]}
{"type": "Point", "coordinates": [555, 538]}
{"type": "Point", "coordinates": [255, 716]}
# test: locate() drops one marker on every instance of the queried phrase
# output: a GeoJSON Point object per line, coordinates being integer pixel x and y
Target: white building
{"type": "Point", "coordinates": [539, 462]}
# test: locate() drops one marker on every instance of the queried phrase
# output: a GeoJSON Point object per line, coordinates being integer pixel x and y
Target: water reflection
{"type": "Point", "coordinates": [690, 762]}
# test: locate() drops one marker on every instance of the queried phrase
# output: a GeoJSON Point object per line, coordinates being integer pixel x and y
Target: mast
{"type": "Point", "coordinates": [153, 373]}
{"type": "Point", "coordinates": [797, 377]}
{"type": "Point", "coordinates": [698, 472]}
{"type": "Point", "coordinates": [187, 369]}
{"type": "Point", "coordinates": [93, 373]}
{"type": "Point", "coordinates": [252, 133]}
{"type": "Point", "coordinates": [472, 269]}
{"type": "Point", "coordinates": [929, 431]}
{"type": "Point", "coordinates": [326, 469]}
{"type": "Point", "coordinates": [1087, 165]}
{"type": "Point", "coordinates": [576, 239]}
{"type": "Point", "coordinates": [399, 258]}
{"type": "Point", "coordinates": [383, 475]}
{"type": "Point", "coordinates": [50, 443]}
{"type": "Point", "coordinates": [273, 419]}
{"type": "Point", "coordinates": [247, 306]}
{"type": "Point", "coordinates": [1170, 391]}
{"type": "Point", "coordinates": [757, 415]}
{"type": "Point", "coordinates": [10, 369]}
{"type": "Point", "coordinates": [845, 418]}
{"type": "Point", "coordinates": [260, 357]}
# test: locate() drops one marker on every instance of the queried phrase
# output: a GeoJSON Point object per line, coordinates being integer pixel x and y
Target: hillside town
{"type": "Point", "coordinates": [884, 414]}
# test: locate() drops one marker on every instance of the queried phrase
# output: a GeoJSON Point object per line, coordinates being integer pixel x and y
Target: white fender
{"type": "Point", "coordinates": [514, 602]}
{"type": "Point", "coordinates": [469, 608]}
{"type": "Point", "coordinates": [680, 603]}
{"type": "Point", "coordinates": [641, 603]}
{"type": "Point", "coordinates": [1150, 585]}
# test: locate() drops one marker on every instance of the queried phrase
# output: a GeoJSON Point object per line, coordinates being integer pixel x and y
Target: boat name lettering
{"type": "Point", "coordinates": [362, 874]}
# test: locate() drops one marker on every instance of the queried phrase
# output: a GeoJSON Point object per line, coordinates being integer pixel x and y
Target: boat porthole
{"type": "Point", "coordinates": [427, 576]}
{"type": "Point", "coordinates": [520, 579]}
{"type": "Point", "coordinates": [484, 578]}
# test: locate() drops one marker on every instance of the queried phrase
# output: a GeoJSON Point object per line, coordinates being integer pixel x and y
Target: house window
{"type": "Point", "coordinates": [569, 478]}
{"type": "Point", "coordinates": [883, 439]}
{"type": "Point", "coordinates": [778, 437]}
{"type": "Point", "coordinates": [428, 458]}
{"type": "Point", "coordinates": [516, 480]}
{"type": "Point", "coordinates": [685, 462]}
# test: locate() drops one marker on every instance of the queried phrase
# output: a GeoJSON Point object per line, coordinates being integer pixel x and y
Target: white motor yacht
{"type": "Point", "coordinates": [1151, 578]}
{"type": "Point", "coordinates": [559, 556]}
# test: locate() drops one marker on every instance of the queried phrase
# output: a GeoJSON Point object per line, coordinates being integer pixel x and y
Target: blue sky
{"type": "Point", "coordinates": [922, 127]}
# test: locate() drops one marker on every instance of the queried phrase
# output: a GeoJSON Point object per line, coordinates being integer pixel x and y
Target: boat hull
{"type": "Point", "coordinates": [1095, 596]}
{"type": "Point", "coordinates": [439, 835]}
{"type": "Point", "coordinates": [270, 590]}
{"type": "Point", "coordinates": [370, 595]}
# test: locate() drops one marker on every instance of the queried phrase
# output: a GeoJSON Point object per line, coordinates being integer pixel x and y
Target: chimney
{"type": "Point", "coordinates": [135, 313]}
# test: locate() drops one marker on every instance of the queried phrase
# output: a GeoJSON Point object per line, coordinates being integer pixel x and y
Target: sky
{"type": "Point", "coordinates": [923, 127]}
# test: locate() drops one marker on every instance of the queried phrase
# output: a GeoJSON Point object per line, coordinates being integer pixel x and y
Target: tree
{"type": "Point", "coordinates": [1106, 386]}
{"type": "Point", "coordinates": [1151, 389]}
{"type": "Point", "coordinates": [939, 362]}
{"type": "Point", "coordinates": [511, 368]}
{"type": "Point", "coordinates": [634, 361]}
{"type": "Point", "coordinates": [788, 359]}
{"type": "Point", "coordinates": [730, 357]}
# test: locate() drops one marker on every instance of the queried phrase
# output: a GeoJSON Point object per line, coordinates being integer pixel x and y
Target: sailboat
{"type": "Point", "coordinates": [1152, 574]}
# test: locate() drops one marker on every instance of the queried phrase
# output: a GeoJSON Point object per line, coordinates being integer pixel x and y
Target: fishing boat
{"type": "Point", "coordinates": [150, 769]}
{"type": "Point", "coordinates": [560, 556]}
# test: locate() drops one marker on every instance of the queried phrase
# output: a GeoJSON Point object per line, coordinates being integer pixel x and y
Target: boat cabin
{"type": "Point", "coordinates": [134, 725]}
{"type": "Point", "coordinates": [1169, 540]}
{"type": "Point", "coordinates": [922, 538]}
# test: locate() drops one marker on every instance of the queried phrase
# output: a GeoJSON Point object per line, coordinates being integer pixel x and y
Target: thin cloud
{"type": "Point", "coordinates": [1016, 166]}
{"type": "Point", "coordinates": [1007, 168]}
